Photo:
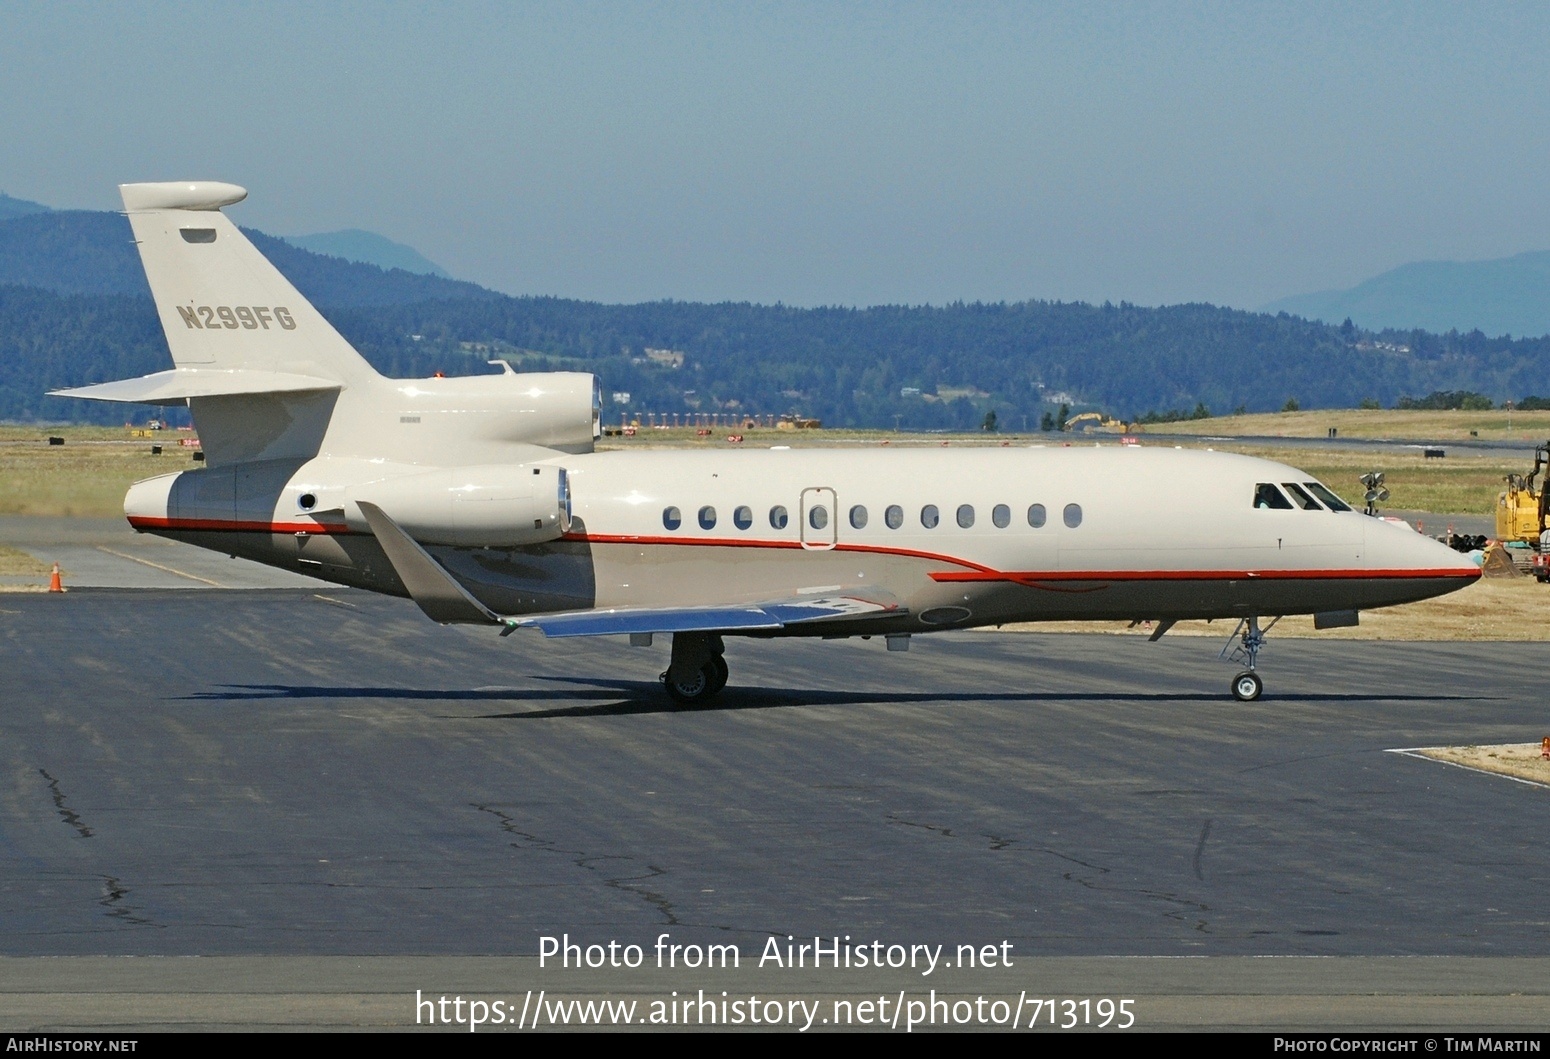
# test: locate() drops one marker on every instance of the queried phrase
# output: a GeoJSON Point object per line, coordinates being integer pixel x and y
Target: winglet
{"type": "Point", "coordinates": [436, 591]}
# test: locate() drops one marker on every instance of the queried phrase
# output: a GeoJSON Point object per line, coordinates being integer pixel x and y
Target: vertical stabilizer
{"type": "Point", "coordinates": [222, 304]}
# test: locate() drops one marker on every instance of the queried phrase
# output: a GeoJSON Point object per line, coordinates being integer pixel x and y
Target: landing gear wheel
{"type": "Point", "coordinates": [720, 665]}
{"type": "Point", "coordinates": [1246, 686]}
{"type": "Point", "coordinates": [697, 670]}
{"type": "Point", "coordinates": [700, 687]}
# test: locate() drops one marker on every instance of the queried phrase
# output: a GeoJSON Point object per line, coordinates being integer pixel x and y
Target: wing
{"type": "Point", "coordinates": [774, 614]}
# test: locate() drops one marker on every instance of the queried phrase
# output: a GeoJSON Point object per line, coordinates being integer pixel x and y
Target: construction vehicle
{"type": "Point", "coordinates": [1088, 420]}
{"type": "Point", "coordinates": [1520, 518]}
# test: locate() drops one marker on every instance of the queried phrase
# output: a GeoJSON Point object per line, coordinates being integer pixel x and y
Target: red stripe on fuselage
{"type": "Point", "coordinates": [218, 525]}
{"type": "Point", "coordinates": [734, 542]}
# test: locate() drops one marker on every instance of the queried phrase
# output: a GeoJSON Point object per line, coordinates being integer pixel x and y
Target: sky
{"type": "Point", "coordinates": [814, 153]}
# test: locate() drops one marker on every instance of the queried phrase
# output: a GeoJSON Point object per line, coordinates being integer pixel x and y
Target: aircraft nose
{"type": "Point", "coordinates": [1401, 549]}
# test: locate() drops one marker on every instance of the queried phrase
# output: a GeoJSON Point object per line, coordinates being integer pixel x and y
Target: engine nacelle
{"type": "Point", "coordinates": [489, 505]}
{"type": "Point", "coordinates": [447, 422]}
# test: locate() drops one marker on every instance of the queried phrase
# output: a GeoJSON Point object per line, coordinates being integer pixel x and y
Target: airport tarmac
{"type": "Point", "coordinates": [294, 782]}
{"type": "Point", "coordinates": [107, 553]}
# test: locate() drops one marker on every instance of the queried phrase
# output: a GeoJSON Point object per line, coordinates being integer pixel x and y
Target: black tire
{"type": "Point", "coordinates": [1246, 686]}
{"type": "Point", "coordinates": [696, 691]}
{"type": "Point", "coordinates": [722, 672]}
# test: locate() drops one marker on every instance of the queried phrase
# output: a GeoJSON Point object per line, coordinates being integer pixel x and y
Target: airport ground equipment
{"type": "Point", "coordinates": [1088, 420]}
{"type": "Point", "coordinates": [1521, 511]}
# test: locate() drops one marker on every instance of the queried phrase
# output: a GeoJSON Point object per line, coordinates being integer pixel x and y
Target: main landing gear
{"type": "Point", "coordinates": [1249, 637]}
{"type": "Point", "coordinates": [697, 671]}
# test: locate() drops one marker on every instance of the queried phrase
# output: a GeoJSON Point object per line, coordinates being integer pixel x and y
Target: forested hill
{"type": "Point", "coordinates": [77, 312]}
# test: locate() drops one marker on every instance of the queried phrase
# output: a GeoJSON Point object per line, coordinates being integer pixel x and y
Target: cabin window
{"type": "Point", "coordinates": [707, 517]}
{"type": "Point", "coordinates": [894, 516]}
{"type": "Point", "coordinates": [818, 516]}
{"type": "Point", "coordinates": [930, 516]}
{"type": "Point", "coordinates": [777, 517]}
{"type": "Point", "coordinates": [1001, 515]}
{"type": "Point", "coordinates": [742, 518]}
{"type": "Point", "coordinates": [858, 517]}
{"type": "Point", "coordinates": [1300, 497]}
{"type": "Point", "coordinates": [1036, 515]}
{"type": "Point", "coordinates": [1072, 515]}
{"type": "Point", "coordinates": [1331, 501]}
{"type": "Point", "coordinates": [965, 516]}
{"type": "Point", "coordinates": [672, 518]}
{"type": "Point", "coordinates": [1267, 495]}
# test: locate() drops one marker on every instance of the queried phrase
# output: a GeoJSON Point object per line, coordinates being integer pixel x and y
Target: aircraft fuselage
{"type": "Point", "coordinates": [958, 536]}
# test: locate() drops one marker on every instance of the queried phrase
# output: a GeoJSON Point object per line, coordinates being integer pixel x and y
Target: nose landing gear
{"type": "Point", "coordinates": [1249, 637]}
{"type": "Point", "coordinates": [697, 671]}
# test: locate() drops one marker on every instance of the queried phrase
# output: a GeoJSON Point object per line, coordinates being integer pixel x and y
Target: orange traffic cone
{"type": "Point", "coordinates": [1544, 748]}
{"type": "Point", "coordinates": [54, 584]}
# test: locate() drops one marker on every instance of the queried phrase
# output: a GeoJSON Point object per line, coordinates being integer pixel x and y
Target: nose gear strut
{"type": "Point", "coordinates": [1249, 637]}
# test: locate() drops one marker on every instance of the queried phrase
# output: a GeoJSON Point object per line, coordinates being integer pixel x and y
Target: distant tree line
{"type": "Point", "coordinates": [74, 309]}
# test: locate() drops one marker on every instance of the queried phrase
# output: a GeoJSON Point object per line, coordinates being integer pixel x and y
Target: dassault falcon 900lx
{"type": "Point", "coordinates": [483, 500]}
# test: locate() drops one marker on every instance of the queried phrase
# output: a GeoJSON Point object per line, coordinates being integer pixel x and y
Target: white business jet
{"type": "Point", "coordinates": [483, 500]}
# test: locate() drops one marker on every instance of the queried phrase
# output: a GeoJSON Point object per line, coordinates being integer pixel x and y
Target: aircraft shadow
{"type": "Point", "coordinates": [647, 697]}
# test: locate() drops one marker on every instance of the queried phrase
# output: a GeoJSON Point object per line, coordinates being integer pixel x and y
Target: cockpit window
{"type": "Point", "coordinates": [1267, 495]}
{"type": "Point", "coordinates": [1300, 497]}
{"type": "Point", "coordinates": [1331, 501]}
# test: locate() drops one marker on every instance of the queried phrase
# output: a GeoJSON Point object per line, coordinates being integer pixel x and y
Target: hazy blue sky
{"type": "Point", "coordinates": [817, 153]}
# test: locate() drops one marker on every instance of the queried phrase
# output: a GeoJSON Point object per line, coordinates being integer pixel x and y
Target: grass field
{"type": "Point", "coordinates": [85, 477]}
{"type": "Point", "coordinates": [1378, 423]}
{"type": "Point", "coordinates": [17, 563]}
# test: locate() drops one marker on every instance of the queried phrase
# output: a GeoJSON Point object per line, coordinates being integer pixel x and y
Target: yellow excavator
{"type": "Point", "coordinates": [1088, 420]}
{"type": "Point", "coordinates": [1521, 514]}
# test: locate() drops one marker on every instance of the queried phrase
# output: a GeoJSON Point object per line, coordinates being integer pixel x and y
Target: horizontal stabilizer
{"type": "Point", "coordinates": [772, 615]}
{"type": "Point", "coordinates": [436, 591]}
{"type": "Point", "coordinates": [177, 386]}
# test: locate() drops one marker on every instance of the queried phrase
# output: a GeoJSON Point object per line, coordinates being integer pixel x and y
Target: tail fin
{"type": "Point", "coordinates": [223, 306]}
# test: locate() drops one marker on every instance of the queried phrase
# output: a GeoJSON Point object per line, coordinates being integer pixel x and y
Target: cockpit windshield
{"type": "Point", "coordinates": [1300, 497]}
{"type": "Point", "coordinates": [1331, 501]}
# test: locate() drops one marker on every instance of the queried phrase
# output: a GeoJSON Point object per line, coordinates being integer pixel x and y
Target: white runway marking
{"type": "Point", "coordinates": [159, 566]}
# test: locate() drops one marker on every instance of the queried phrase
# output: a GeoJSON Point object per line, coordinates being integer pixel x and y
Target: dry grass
{"type": "Point", "coordinates": [18, 563]}
{"type": "Point", "coordinates": [1522, 760]}
{"type": "Point", "coordinates": [85, 477]}
{"type": "Point", "coordinates": [1516, 608]}
{"type": "Point", "coordinates": [1377, 423]}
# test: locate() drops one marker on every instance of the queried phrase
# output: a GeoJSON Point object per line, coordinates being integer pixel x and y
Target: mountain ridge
{"type": "Point", "coordinates": [368, 248]}
{"type": "Point", "coordinates": [1499, 296]}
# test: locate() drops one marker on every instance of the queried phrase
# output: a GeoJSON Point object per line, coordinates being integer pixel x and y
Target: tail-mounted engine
{"type": "Point", "coordinates": [491, 506]}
